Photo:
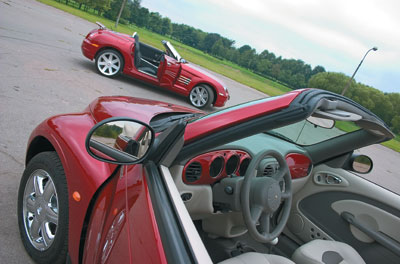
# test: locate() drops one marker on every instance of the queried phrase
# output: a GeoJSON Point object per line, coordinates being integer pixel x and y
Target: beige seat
{"type": "Point", "coordinates": [315, 252]}
{"type": "Point", "coordinates": [255, 258]}
{"type": "Point", "coordinates": [326, 252]}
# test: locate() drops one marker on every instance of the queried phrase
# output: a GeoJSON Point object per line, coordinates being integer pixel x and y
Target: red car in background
{"type": "Point", "coordinates": [131, 180]}
{"type": "Point", "coordinates": [114, 53]}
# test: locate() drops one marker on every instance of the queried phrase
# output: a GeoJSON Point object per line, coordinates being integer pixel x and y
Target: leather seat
{"type": "Point", "coordinates": [254, 258]}
{"type": "Point", "coordinates": [140, 63]}
{"type": "Point", "coordinates": [326, 252]}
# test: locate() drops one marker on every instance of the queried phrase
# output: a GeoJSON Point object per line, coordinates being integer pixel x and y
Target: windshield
{"type": "Point", "coordinates": [305, 133]}
{"type": "Point", "coordinates": [171, 51]}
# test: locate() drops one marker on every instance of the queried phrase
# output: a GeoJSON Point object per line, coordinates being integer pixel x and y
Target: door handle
{"type": "Point", "coordinates": [332, 179]}
{"type": "Point", "coordinates": [379, 237]}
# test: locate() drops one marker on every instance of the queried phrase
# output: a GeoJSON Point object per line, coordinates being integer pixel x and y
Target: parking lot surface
{"type": "Point", "coordinates": [43, 73]}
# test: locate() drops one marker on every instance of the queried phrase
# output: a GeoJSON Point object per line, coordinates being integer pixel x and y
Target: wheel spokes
{"type": "Point", "coordinates": [30, 204]}
{"type": "Point", "coordinates": [48, 191]}
{"type": "Point", "coordinates": [199, 96]}
{"type": "Point", "coordinates": [51, 216]}
{"type": "Point", "coordinates": [37, 185]}
{"type": "Point", "coordinates": [47, 234]}
{"type": "Point", "coordinates": [34, 228]}
{"type": "Point", "coordinates": [109, 64]}
{"type": "Point", "coordinates": [40, 209]}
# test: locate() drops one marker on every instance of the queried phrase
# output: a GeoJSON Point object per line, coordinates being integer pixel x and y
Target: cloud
{"type": "Point", "coordinates": [332, 33]}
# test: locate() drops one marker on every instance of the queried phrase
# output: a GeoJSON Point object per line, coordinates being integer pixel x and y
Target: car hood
{"type": "Point", "coordinates": [132, 107]}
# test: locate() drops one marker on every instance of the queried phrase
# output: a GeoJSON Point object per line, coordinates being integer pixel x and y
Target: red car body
{"type": "Point", "coordinates": [89, 174]}
{"type": "Point", "coordinates": [175, 75]}
{"type": "Point", "coordinates": [112, 219]}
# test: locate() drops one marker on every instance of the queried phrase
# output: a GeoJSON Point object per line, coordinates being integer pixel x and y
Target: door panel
{"type": "Point", "coordinates": [318, 207]}
{"type": "Point", "coordinates": [122, 227]}
{"type": "Point", "coordinates": [169, 72]}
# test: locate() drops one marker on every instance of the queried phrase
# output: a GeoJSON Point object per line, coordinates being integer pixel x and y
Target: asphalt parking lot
{"type": "Point", "coordinates": [43, 73]}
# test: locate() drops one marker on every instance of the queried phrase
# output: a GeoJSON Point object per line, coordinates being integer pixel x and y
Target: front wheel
{"type": "Point", "coordinates": [201, 96]}
{"type": "Point", "coordinates": [43, 209]}
{"type": "Point", "coordinates": [109, 63]}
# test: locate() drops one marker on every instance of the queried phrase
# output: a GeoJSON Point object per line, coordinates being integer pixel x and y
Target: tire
{"type": "Point", "coordinates": [43, 209]}
{"type": "Point", "coordinates": [201, 96]}
{"type": "Point", "coordinates": [109, 63]}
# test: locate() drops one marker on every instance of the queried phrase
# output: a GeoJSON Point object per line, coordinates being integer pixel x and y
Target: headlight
{"type": "Point", "coordinates": [90, 35]}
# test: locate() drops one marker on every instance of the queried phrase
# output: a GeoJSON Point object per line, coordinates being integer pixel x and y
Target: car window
{"type": "Point", "coordinates": [305, 133]}
{"type": "Point", "coordinates": [232, 108]}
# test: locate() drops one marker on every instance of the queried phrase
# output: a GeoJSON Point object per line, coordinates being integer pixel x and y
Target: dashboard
{"type": "Point", "coordinates": [211, 167]}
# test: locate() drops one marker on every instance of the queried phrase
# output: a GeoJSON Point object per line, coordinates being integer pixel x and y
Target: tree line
{"type": "Point", "coordinates": [291, 72]}
{"type": "Point", "coordinates": [384, 105]}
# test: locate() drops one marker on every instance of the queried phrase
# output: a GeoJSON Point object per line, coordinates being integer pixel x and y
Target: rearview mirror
{"type": "Point", "coordinates": [321, 122]}
{"type": "Point", "coordinates": [120, 141]}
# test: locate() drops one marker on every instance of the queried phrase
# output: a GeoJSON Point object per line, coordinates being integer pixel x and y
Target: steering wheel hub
{"type": "Point", "coordinates": [261, 197]}
{"type": "Point", "coordinates": [273, 197]}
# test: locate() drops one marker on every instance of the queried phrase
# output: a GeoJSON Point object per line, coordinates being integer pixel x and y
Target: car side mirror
{"type": "Point", "coordinates": [120, 141]}
{"type": "Point", "coordinates": [361, 164]}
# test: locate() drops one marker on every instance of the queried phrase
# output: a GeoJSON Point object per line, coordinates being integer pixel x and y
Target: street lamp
{"type": "Point", "coordinates": [348, 84]}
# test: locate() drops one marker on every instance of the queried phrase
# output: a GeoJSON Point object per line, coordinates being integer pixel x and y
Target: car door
{"type": "Point", "coordinates": [137, 216]}
{"type": "Point", "coordinates": [336, 204]}
{"type": "Point", "coordinates": [122, 225]}
{"type": "Point", "coordinates": [169, 72]}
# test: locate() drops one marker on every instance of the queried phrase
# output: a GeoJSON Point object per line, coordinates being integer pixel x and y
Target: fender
{"type": "Point", "coordinates": [84, 174]}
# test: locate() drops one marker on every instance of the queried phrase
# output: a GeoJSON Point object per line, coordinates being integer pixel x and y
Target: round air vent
{"type": "Point", "coordinates": [243, 166]}
{"type": "Point", "coordinates": [193, 172]}
{"type": "Point", "coordinates": [232, 164]}
{"type": "Point", "coordinates": [216, 166]}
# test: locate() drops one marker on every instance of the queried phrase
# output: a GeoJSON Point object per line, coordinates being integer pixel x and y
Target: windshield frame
{"type": "Point", "coordinates": [171, 50]}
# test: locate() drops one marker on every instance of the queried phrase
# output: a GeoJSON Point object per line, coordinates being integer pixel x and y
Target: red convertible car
{"type": "Point", "coordinates": [131, 180]}
{"type": "Point", "coordinates": [114, 53]}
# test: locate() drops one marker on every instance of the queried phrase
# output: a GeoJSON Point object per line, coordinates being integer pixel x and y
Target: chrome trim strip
{"type": "Point", "coordinates": [148, 74]}
{"type": "Point", "coordinates": [195, 241]}
{"type": "Point", "coordinates": [151, 64]}
{"type": "Point", "coordinates": [184, 80]}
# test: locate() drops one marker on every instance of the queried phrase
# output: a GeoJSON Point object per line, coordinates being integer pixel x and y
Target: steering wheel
{"type": "Point", "coordinates": [261, 197]}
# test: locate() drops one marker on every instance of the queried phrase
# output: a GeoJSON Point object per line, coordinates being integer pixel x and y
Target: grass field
{"type": "Point", "coordinates": [349, 127]}
{"type": "Point", "coordinates": [223, 67]}
{"type": "Point", "coordinates": [393, 144]}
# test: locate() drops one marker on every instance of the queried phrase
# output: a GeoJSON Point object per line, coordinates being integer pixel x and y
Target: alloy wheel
{"type": "Point", "coordinates": [109, 63]}
{"type": "Point", "coordinates": [40, 209]}
{"type": "Point", "coordinates": [199, 96]}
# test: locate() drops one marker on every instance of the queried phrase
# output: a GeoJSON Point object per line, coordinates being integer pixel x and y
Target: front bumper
{"type": "Point", "coordinates": [89, 49]}
{"type": "Point", "coordinates": [221, 99]}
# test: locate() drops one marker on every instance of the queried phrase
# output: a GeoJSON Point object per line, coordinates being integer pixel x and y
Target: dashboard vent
{"type": "Point", "coordinates": [193, 172]}
{"type": "Point", "coordinates": [269, 171]}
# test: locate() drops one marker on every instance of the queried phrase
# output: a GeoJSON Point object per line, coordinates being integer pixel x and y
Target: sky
{"type": "Point", "coordinates": [332, 33]}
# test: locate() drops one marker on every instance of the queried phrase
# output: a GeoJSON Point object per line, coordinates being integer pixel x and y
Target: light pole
{"type": "Point", "coordinates": [348, 84]}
